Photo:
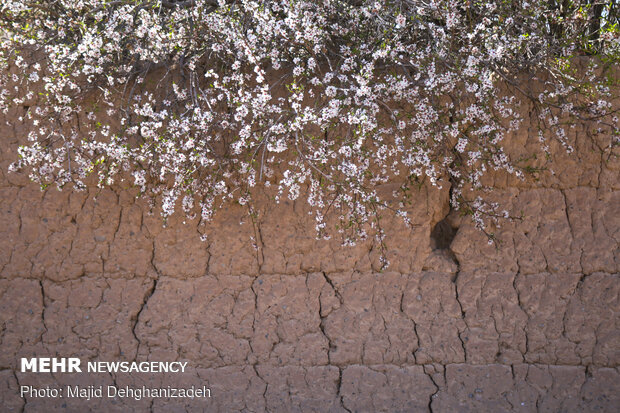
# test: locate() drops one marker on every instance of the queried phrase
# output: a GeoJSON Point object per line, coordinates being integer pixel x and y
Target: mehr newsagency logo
{"type": "Point", "coordinates": [74, 365]}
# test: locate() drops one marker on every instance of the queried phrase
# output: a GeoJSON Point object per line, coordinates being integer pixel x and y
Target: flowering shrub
{"type": "Point", "coordinates": [329, 99]}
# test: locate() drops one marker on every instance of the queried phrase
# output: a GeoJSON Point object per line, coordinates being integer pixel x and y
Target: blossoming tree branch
{"type": "Point", "coordinates": [201, 102]}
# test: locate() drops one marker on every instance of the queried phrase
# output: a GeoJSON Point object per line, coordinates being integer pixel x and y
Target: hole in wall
{"type": "Point", "coordinates": [442, 235]}
{"type": "Point", "coordinates": [442, 259]}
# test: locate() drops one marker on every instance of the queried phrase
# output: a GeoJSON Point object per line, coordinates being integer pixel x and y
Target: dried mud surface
{"type": "Point", "coordinates": [294, 324]}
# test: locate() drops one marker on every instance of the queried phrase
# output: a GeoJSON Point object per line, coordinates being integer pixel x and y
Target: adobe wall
{"type": "Point", "coordinates": [287, 323]}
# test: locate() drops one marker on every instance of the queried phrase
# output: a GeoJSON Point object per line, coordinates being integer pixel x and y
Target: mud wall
{"type": "Point", "coordinates": [273, 320]}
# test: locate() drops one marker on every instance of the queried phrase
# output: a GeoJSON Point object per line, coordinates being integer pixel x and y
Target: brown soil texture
{"type": "Point", "coordinates": [288, 323]}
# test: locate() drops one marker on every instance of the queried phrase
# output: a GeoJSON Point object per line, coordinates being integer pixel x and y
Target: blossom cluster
{"type": "Point", "coordinates": [199, 102]}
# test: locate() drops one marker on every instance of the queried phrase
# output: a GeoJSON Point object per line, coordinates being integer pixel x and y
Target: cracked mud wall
{"type": "Point", "coordinates": [294, 324]}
